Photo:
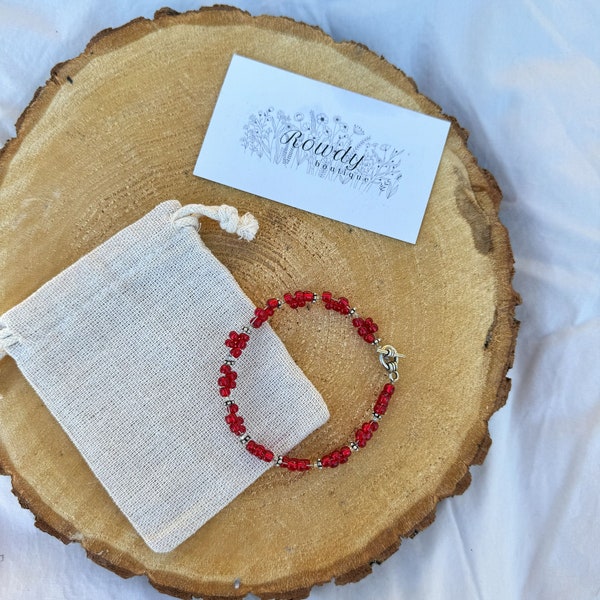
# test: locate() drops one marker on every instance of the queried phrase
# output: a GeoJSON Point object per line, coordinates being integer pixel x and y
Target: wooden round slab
{"type": "Point", "coordinates": [116, 131]}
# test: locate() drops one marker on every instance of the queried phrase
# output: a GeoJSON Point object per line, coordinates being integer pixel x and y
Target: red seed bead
{"type": "Point", "coordinates": [357, 322]}
{"type": "Point", "coordinates": [244, 337]}
{"type": "Point", "coordinates": [369, 338]}
{"type": "Point", "coordinates": [223, 381]}
{"type": "Point", "coordinates": [389, 388]}
{"type": "Point", "coordinates": [291, 301]}
{"type": "Point", "coordinates": [326, 296]}
{"type": "Point", "coordinates": [273, 303]}
{"type": "Point", "coordinates": [362, 331]}
{"type": "Point", "coordinates": [225, 392]}
{"type": "Point", "coordinates": [361, 443]}
{"type": "Point", "coordinates": [233, 408]}
{"type": "Point", "coordinates": [269, 456]}
{"type": "Point", "coordinates": [287, 297]}
{"type": "Point", "coordinates": [250, 446]}
{"type": "Point", "coordinates": [345, 451]}
{"type": "Point", "coordinates": [366, 427]}
{"type": "Point", "coordinates": [230, 419]}
{"type": "Point", "coordinates": [225, 369]}
{"type": "Point", "coordinates": [308, 296]}
{"type": "Point", "coordinates": [235, 352]}
{"type": "Point", "coordinates": [374, 426]}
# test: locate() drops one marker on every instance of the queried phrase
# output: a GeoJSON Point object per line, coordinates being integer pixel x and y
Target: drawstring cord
{"type": "Point", "coordinates": [228, 218]}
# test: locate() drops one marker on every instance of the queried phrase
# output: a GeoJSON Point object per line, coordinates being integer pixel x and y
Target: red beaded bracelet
{"type": "Point", "coordinates": [366, 328]}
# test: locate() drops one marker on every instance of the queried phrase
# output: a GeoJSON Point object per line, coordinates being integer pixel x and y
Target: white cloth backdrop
{"type": "Point", "coordinates": [524, 78]}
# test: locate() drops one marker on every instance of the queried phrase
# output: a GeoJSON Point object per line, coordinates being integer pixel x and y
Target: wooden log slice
{"type": "Point", "coordinates": [116, 131]}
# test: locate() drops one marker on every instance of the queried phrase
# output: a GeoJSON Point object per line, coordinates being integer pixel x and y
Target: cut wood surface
{"type": "Point", "coordinates": [117, 130]}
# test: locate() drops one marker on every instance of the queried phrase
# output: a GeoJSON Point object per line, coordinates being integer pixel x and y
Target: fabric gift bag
{"type": "Point", "coordinates": [124, 347]}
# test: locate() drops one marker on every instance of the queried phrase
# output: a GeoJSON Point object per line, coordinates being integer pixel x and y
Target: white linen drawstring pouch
{"type": "Point", "coordinates": [124, 348]}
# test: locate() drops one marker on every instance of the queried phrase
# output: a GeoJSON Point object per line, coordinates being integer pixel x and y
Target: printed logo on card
{"type": "Point", "coordinates": [322, 146]}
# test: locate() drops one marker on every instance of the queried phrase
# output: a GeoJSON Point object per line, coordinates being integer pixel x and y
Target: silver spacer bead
{"type": "Point", "coordinates": [244, 438]}
{"type": "Point", "coordinates": [245, 329]}
{"type": "Point", "coordinates": [353, 446]}
{"type": "Point", "coordinates": [376, 416]}
{"type": "Point", "coordinates": [228, 402]}
{"type": "Point", "coordinates": [315, 297]}
{"type": "Point", "coordinates": [353, 313]}
{"type": "Point", "coordinates": [318, 464]}
{"type": "Point", "coordinates": [279, 461]}
{"type": "Point", "coordinates": [229, 361]}
{"type": "Point", "coordinates": [376, 342]}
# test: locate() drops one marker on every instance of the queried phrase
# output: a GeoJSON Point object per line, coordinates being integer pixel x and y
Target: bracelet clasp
{"type": "Point", "coordinates": [388, 357]}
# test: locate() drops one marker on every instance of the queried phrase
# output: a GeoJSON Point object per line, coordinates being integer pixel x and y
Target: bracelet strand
{"type": "Point", "coordinates": [365, 328]}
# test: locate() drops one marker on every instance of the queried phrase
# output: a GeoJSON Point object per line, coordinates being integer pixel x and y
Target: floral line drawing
{"type": "Point", "coordinates": [325, 147]}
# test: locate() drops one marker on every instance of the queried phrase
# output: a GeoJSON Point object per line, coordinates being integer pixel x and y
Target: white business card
{"type": "Point", "coordinates": [323, 149]}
